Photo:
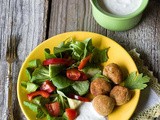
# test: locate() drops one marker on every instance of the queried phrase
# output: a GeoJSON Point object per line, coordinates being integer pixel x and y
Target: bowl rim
{"type": "Point", "coordinates": [119, 17]}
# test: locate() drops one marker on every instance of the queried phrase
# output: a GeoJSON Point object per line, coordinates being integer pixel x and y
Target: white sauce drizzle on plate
{"type": "Point", "coordinates": [120, 7]}
{"type": "Point", "coordinates": [87, 112]}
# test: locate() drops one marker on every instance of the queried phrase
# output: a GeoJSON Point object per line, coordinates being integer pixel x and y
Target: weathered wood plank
{"type": "Point", "coordinates": [76, 15]}
{"type": "Point", "coordinates": [26, 20]}
{"type": "Point", "coordinates": [72, 15]}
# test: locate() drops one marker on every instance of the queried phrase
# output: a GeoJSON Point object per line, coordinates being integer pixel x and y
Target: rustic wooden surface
{"type": "Point", "coordinates": [33, 21]}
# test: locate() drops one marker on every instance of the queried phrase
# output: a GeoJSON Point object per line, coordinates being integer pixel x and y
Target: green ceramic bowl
{"type": "Point", "coordinates": [115, 22]}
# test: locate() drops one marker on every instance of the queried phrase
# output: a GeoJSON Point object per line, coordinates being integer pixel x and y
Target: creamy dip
{"type": "Point", "coordinates": [120, 7]}
{"type": "Point", "coordinates": [87, 112]}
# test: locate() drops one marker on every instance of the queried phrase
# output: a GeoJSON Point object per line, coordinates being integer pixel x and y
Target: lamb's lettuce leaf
{"type": "Point", "coordinates": [34, 63]}
{"type": "Point", "coordinates": [81, 87]}
{"type": "Point", "coordinates": [35, 108]}
{"type": "Point", "coordinates": [91, 70]}
{"type": "Point", "coordinates": [31, 87]}
{"type": "Point", "coordinates": [55, 69]}
{"type": "Point", "coordinates": [40, 74]}
{"type": "Point", "coordinates": [47, 54]}
{"type": "Point", "coordinates": [61, 82]}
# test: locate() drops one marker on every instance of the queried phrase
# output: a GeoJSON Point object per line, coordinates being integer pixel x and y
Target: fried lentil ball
{"type": "Point", "coordinates": [99, 86]}
{"type": "Point", "coordinates": [103, 104]}
{"type": "Point", "coordinates": [113, 72]}
{"type": "Point", "coordinates": [121, 94]}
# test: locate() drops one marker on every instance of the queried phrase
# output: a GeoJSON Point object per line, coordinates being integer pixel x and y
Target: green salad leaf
{"type": "Point", "coordinates": [78, 49]}
{"type": "Point", "coordinates": [92, 70]}
{"type": "Point", "coordinates": [55, 69]}
{"type": "Point", "coordinates": [35, 108]}
{"type": "Point", "coordinates": [58, 50]}
{"type": "Point", "coordinates": [135, 81]}
{"type": "Point", "coordinates": [81, 87]}
{"type": "Point", "coordinates": [100, 76]}
{"type": "Point", "coordinates": [61, 82]}
{"type": "Point", "coordinates": [99, 56]}
{"type": "Point", "coordinates": [40, 74]}
{"type": "Point", "coordinates": [88, 47]}
{"type": "Point", "coordinates": [29, 72]}
{"type": "Point", "coordinates": [55, 118]}
{"type": "Point", "coordinates": [31, 87]}
{"type": "Point", "coordinates": [41, 101]}
{"type": "Point", "coordinates": [34, 63]}
{"type": "Point", "coordinates": [47, 54]}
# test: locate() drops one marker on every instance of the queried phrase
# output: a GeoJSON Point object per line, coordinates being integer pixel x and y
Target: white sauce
{"type": "Point", "coordinates": [87, 112]}
{"type": "Point", "coordinates": [120, 7]}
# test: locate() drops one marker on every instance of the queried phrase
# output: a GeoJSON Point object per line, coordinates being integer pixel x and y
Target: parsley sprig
{"type": "Point", "coordinates": [135, 81]}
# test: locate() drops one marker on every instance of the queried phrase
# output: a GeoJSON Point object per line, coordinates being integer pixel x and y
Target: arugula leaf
{"type": "Point", "coordinates": [135, 81]}
{"type": "Point", "coordinates": [78, 49]}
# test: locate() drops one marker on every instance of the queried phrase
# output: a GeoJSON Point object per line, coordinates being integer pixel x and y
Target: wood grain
{"type": "Point", "coordinates": [76, 15]}
{"type": "Point", "coordinates": [25, 20]}
{"type": "Point", "coordinates": [72, 15]}
{"type": "Point", "coordinates": [32, 21]}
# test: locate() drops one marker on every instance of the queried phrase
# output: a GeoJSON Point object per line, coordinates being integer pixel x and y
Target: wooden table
{"type": "Point", "coordinates": [33, 21]}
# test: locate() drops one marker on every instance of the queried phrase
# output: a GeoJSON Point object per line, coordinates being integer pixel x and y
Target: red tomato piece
{"type": "Point", "coordinates": [71, 113]}
{"type": "Point", "coordinates": [48, 86]}
{"type": "Point", "coordinates": [73, 74]}
{"type": "Point", "coordinates": [83, 76]}
{"type": "Point", "coordinates": [37, 93]}
{"type": "Point", "coordinates": [55, 61]}
{"type": "Point", "coordinates": [77, 97]}
{"type": "Point", "coordinates": [84, 62]}
{"type": "Point", "coordinates": [53, 108]}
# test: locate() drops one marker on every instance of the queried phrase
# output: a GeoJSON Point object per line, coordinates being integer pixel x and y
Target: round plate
{"type": "Point", "coordinates": [116, 54]}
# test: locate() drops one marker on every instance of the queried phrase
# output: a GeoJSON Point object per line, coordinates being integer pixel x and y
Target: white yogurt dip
{"type": "Point", "coordinates": [87, 112]}
{"type": "Point", "coordinates": [120, 7]}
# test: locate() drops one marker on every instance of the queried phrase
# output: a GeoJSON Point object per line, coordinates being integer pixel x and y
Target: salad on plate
{"type": "Point", "coordinates": [73, 73]}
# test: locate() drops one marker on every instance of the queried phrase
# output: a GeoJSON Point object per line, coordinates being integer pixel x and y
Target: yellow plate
{"type": "Point", "coordinates": [116, 54]}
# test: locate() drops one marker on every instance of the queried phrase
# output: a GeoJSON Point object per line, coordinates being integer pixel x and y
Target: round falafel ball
{"type": "Point", "coordinates": [103, 104]}
{"type": "Point", "coordinates": [113, 72]}
{"type": "Point", "coordinates": [99, 86]}
{"type": "Point", "coordinates": [121, 94]}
